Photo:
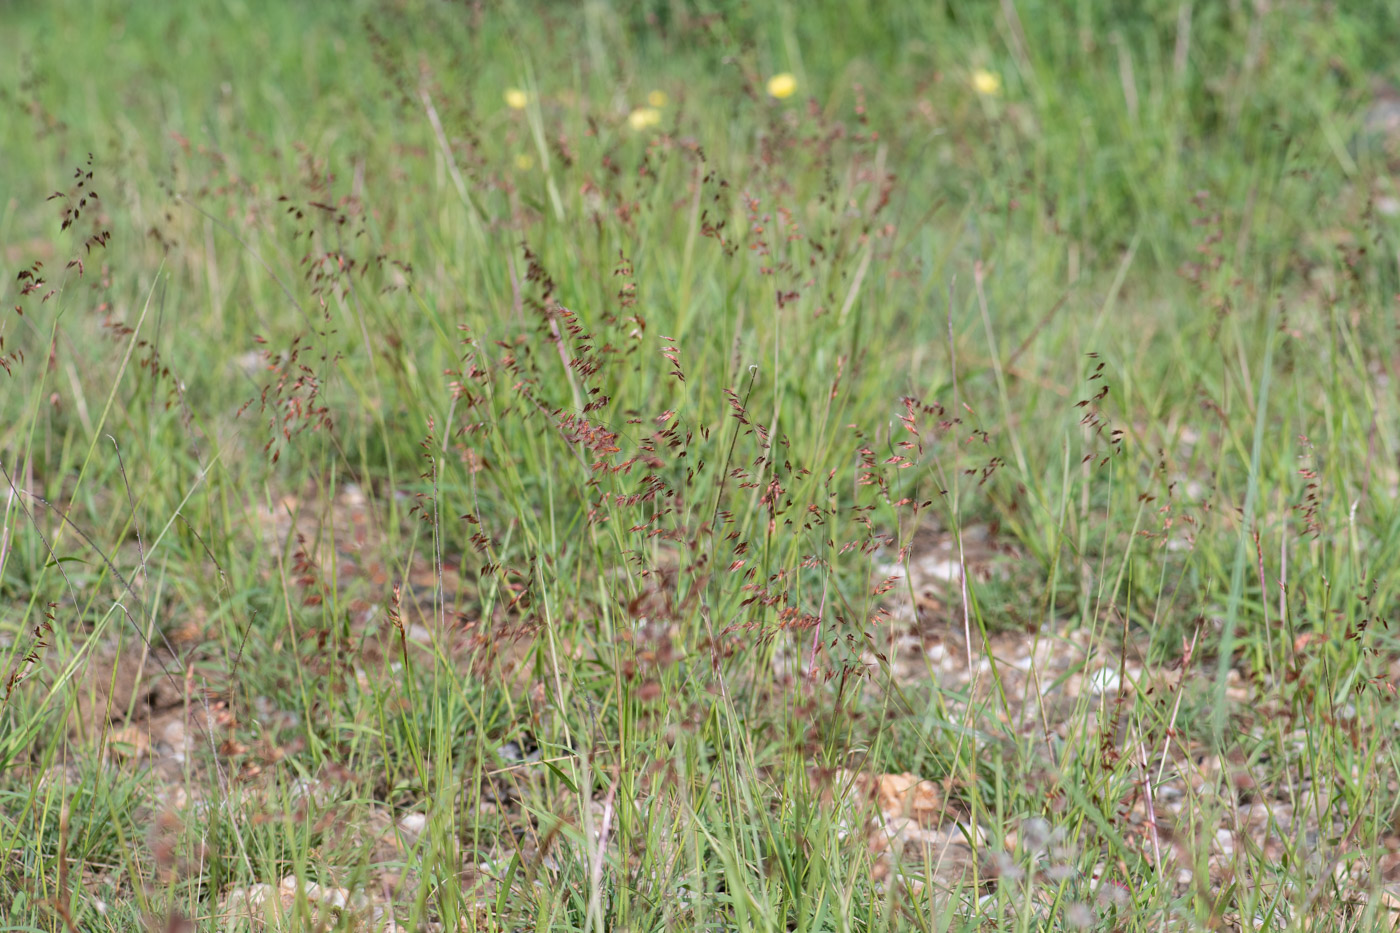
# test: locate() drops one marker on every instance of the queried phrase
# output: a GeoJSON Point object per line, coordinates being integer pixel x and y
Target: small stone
{"type": "Point", "coordinates": [948, 571]}
{"type": "Point", "coordinates": [1104, 680]}
{"type": "Point", "coordinates": [412, 826]}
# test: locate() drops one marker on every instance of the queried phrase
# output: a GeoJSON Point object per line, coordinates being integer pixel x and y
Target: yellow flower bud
{"type": "Point", "coordinates": [643, 117]}
{"type": "Point", "coordinates": [986, 83]}
{"type": "Point", "coordinates": [782, 85]}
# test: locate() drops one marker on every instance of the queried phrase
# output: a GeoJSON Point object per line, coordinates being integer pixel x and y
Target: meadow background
{"type": "Point", "coordinates": [691, 464]}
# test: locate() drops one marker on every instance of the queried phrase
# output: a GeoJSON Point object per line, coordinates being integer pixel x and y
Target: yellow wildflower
{"type": "Point", "coordinates": [657, 98]}
{"type": "Point", "coordinates": [524, 161]}
{"type": "Point", "coordinates": [643, 117]}
{"type": "Point", "coordinates": [516, 99]}
{"type": "Point", "coordinates": [782, 85]}
{"type": "Point", "coordinates": [986, 83]}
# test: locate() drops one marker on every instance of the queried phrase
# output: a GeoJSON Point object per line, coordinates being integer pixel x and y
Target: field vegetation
{"type": "Point", "coordinates": [635, 465]}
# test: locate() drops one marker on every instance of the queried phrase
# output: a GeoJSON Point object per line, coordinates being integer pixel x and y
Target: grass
{"type": "Point", "coordinates": [898, 505]}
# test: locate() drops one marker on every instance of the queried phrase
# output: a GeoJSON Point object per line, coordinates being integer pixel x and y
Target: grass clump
{"type": "Point", "coordinates": [635, 466]}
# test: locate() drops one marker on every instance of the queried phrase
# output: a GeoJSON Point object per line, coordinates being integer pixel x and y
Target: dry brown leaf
{"type": "Point", "coordinates": [900, 795]}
